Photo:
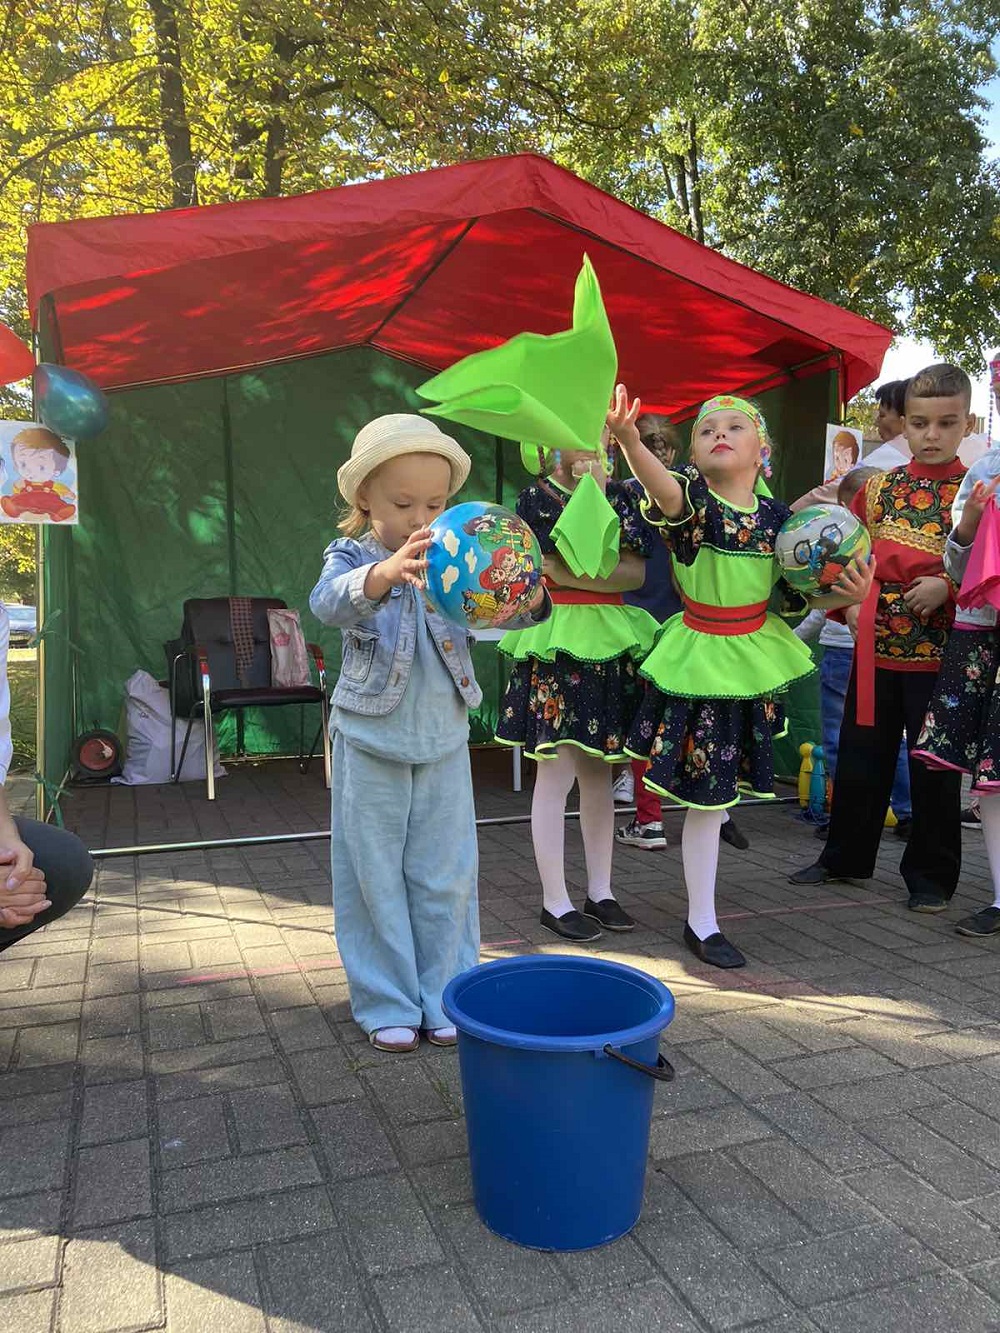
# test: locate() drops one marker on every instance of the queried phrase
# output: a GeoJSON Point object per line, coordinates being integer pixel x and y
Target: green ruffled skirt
{"type": "Point", "coordinates": [693, 665]}
{"type": "Point", "coordinates": [594, 633]}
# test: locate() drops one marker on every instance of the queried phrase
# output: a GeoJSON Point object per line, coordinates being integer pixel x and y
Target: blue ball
{"type": "Point", "coordinates": [69, 403]}
{"type": "Point", "coordinates": [483, 565]}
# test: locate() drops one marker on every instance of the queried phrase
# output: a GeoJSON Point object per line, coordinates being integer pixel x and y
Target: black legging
{"type": "Point", "coordinates": [68, 870]}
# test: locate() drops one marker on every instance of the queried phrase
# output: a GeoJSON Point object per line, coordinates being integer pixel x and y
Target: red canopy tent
{"type": "Point", "coordinates": [249, 341]}
{"type": "Point", "coordinates": [427, 268]}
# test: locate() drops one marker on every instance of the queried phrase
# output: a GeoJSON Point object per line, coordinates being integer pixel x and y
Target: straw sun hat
{"type": "Point", "coordinates": [388, 437]}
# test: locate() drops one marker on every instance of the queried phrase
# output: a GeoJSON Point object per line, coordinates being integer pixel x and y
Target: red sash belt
{"type": "Point", "coordinates": [580, 597]}
{"type": "Point", "coordinates": [727, 620]}
{"type": "Point", "coordinates": [864, 656]}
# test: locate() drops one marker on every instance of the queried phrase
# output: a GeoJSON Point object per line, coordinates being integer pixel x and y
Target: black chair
{"type": "Point", "coordinates": [207, 676]}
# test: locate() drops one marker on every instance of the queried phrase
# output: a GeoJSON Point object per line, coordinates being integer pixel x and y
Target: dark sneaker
{"type": "Point", "coordinates": [609, 913]}
{"type": "Point", "coordinates": [648, 836]}
{"type": "Point", "coordinates": [971, 820]}
{"type": "Point", "coordinates": [715, 950]}
{"type": "Point", "coordinates": [927, 902]}
{"type": "Point", "coordinates": [986, 922]}
{"type": "Point", "coordinates": [822, 831]}
{"type": "Point", "coordinates": [903, 829]}
{"type": "Point", "coordinates": [570, 926]}
{"type": "Point", "coordinates": [731, 834]}
{"type": "Point", "coordinates": [816, 874]}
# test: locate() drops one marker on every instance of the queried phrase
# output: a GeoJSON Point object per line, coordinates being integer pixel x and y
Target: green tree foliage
{"type": "Point", "coordinates": [17, 563]}
{"type": "Point", "coordinates": [835, 144]}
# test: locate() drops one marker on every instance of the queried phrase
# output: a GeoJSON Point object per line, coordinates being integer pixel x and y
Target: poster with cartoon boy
{"type": "Point", "coordinates": [37, 475]}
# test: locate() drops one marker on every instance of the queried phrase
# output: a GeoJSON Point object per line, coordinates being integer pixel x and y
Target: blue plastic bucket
{"type": "Point", "coordinates": [559, 1057]}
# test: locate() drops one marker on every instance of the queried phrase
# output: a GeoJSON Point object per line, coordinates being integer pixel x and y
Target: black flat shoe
{"type": "Point", "coordinates": [608, 913]}
{"type": "Point", "coordinates": [926, 902]}
{"type": "Point", "coordinates": [822, 832]}
{"type": "Point", "coordinates": [903, 829]}
{"type": "Point", "coordinates": [570, 926]}
{"type": "Point", "coordinates": [715, 950]}
{"type": "Point", "coordinates": [731, 834]}
{"type": "Point", "coordinates": [986, 922]}
{"type": "Point", "coordinates": [816, 874]}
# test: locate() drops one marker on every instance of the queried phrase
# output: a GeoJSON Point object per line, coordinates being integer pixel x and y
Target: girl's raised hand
{"type": "Point", "coordinates": [982, 492]}
{"type": "Point", "coordinates": [975, 507]}
{"type": "Point", "coordinates": [622, 419]}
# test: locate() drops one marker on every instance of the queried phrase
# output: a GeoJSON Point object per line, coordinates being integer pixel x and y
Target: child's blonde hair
{"type": "Point", "coordinates": [354, 521]}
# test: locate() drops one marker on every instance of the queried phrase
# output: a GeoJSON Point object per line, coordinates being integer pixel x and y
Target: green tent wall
{"type": "Point", "coordinates": [227, 486]}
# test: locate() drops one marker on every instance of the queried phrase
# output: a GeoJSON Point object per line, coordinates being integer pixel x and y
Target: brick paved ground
{"type": "Point", "coordinates": [193, 1134]}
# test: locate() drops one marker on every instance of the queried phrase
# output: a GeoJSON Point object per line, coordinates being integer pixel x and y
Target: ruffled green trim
{"type": "Point", "coordinates": [691, 665]}
{"type": "Point", "coordinates": [548, 751]}
{"type": "Point", "coordinates": [742, 789]}
{"type": "Point", "coordinates": [588, 633]}
{"type": "Point", "coordinates": [648, 506]}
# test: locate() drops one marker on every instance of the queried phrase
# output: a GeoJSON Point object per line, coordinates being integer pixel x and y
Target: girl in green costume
{"type": "Point", "coordinates": [574, 690]}
{"type": "Point", "coordinates": [708, 725]}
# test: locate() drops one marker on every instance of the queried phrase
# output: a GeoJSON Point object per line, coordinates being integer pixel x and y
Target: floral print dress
{"type": "Point", "coordinates": [962, 726]}
{"type": "Point", "coordinates": [719, 668]}
{"type": "Point", "coordinates": [574, 679]}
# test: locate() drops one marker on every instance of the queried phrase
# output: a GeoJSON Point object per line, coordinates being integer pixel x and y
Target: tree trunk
{"type": "Point", "coordinates": [173, 109]}
{"type": "Point", "coordinates": [698, 225]}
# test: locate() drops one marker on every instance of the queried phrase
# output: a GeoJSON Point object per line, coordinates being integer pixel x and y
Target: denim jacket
{"type": "Point", "coordinates": [379, 638]}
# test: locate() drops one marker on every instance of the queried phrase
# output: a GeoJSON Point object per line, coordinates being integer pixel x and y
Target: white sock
{"type": "Point", "coordinates": [700, 855]}
{"type": "Point", "coordinates": [597, 823]}
{"type": "Point", "coordinates": [989, 813]}
{"type": "Point", "coordinates": [553, 781]}
{"type": "Point", "coordinates": [725, 816]}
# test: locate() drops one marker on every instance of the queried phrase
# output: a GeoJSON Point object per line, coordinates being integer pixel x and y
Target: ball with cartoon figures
{"type": "Point", "coordinates": [815, 545]}
{"type": "Point", "coordinates": [483, 565]}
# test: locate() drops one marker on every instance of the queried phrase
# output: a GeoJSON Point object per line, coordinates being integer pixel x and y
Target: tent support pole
{"type": "Point", "coordinates": [320, 835]}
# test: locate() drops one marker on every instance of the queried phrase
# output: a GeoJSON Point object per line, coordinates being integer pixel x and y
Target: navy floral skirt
{"type": "Point", "coordinates": [590, 705]}
{"type": "Point", "coordinates": [962, 727]}
{"type": "Point", "coordinates": [705, 752]}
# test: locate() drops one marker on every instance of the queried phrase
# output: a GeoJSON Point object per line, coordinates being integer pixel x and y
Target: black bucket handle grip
{"type": "Point", "coordinates": [663, 1070]}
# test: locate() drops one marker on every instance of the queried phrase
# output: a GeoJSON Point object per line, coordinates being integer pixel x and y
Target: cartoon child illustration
{"type": "Point", "coordinates": [39, 457]}
{"type": "Point", "coordinates": [506, 577]}
{"type": "Point", "coordinates": [846, 452]}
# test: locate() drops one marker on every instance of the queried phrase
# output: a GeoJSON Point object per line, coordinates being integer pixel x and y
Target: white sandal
{"type": "Point", "coordinates": [395, 1040]}
{"type": "Point", "coordinates": [442, 1036]}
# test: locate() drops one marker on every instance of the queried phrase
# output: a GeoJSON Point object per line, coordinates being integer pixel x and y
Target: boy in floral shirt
{"type": "Point", "coordinates": [901, 632]}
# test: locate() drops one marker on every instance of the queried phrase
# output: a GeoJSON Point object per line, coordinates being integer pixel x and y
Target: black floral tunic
{"type": "Point", "coordinates": [574, 680]}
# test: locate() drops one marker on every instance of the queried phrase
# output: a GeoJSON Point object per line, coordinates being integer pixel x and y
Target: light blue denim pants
{"type": "Point", "coordinates": [405, 864]}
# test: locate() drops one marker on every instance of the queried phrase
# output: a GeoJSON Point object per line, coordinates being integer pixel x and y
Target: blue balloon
{"type": "Point", "coordinates": [483, 565]}
{"type": "Point", "coordinates": [69, 403]}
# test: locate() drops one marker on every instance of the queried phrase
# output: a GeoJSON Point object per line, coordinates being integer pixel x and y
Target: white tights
{"type": "Point", "coordinates": [554, 780]}
{"type": "Point", "coordinates": [989, 813]}
{"type": "Point", "coordinates": [700, 855]}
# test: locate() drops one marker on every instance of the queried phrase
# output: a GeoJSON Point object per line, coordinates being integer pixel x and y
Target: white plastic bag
{"type": "Point", "coordinates": [147, 722]}
{"type": "Point", "coordinates": [289, 659]}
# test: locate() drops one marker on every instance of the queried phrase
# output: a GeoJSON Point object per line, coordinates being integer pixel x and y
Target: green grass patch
{"type": "Point", "coordinates": [21, 672]}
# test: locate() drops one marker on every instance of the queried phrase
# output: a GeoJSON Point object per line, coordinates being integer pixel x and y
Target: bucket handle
{"type": "Point", "coordinates": [663, 1070]}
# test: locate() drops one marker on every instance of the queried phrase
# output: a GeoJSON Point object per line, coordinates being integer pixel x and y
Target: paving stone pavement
{"type": "Point", "coordinates": [194, 1135]}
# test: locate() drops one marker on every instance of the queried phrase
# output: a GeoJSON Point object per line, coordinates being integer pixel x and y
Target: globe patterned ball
{"type": "Point", "coordinates": [816, 544]}
{"type": "Point", "coordinates": [483, 565]}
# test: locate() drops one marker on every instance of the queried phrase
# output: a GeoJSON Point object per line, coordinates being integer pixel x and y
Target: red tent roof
{"type": "Point", "coordinates": [428, 268]}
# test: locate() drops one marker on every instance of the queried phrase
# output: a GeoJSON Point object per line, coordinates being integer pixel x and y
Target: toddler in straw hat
{"type": "Point", "coordinates": [403, 832]}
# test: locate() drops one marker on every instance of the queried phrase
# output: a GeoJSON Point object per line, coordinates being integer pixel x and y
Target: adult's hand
{"type": "Point", "coordinates": [16, 862]}
{"type": "Point", "coordinates": [21, 904]}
